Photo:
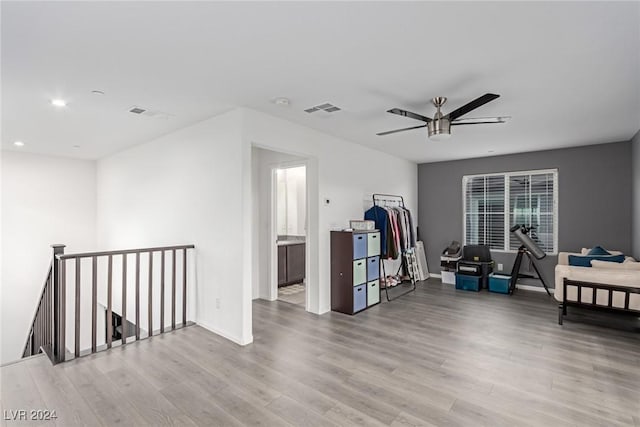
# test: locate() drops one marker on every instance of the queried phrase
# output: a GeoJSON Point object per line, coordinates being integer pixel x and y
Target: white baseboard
{"type": "Point", "coordinates": [533, 288]}
{"type": "Point", "coordinates": [236, 340]}
{"type": "Point", "coordinates": [437, 276]}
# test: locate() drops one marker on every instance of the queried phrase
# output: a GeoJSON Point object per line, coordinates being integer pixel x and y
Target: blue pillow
{"type": "Point", "coordinates": [585, 261]}
{"type": "Point", "coordinates": [598, 250]}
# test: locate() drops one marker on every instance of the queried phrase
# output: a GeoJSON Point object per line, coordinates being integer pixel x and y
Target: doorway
{"type": "Point", "coordinates": [280, 227]}
{"type": "Point", "coordinates": [291, 232]}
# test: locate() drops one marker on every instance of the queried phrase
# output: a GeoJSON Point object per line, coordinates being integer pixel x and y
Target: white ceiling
{"type": "Point", "coordinates": [568, 73]}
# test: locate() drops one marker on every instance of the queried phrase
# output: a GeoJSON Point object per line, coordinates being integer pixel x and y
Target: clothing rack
{"type": "Point", "coordinates": [398, 201]}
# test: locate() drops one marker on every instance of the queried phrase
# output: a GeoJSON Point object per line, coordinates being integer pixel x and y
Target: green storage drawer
{"type": "Point", "coordinates": [359, 272]}
{"type": "Point", "coordinates": [373, 292]}
{"type": "Point", "coordinates": [373, 244]}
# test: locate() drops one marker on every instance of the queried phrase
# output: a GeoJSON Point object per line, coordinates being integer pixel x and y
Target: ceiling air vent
{"type": "Point", "coordinates": [137, 110]}
{"type": "Point", "coordinates": [157, 114]}
{"type": "Point", "coordinates": [327, 107]}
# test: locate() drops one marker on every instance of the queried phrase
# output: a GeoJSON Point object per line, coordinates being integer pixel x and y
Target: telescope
{"type": "Point", "coordinates": [530, 248]}
{"type": "Point", "coordinates": [522, 233]}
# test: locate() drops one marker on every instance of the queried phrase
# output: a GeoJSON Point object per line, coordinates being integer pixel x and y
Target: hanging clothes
{"type": "Point", "coordinates": [394, 238]}
{"type": "Point", "coordinates": [380, 217]}
{"type": "Point", "coordinates": [396, 229]}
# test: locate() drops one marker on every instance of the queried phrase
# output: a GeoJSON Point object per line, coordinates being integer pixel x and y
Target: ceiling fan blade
{"type": "Point", "coordinates": [406, 113]}
{"type": "Point", "coordinates": [400, 130]}
{"type": "Point", "coordinates": [480, 120]}
{"type": "Point", "coordinates": [478, 102]}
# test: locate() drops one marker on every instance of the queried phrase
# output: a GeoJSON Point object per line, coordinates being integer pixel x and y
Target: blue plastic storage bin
{"type": "Point", "coordinates": [467, 283]}
{"type": "Point", "coordinates": [499, 283]}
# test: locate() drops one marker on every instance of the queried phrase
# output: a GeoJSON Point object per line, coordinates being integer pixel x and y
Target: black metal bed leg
{"type": "Point", "coordinates": [562, 310]}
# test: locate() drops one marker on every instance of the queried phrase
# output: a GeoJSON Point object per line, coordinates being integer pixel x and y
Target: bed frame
{"type": "Point", "coordinates": [627, 291]}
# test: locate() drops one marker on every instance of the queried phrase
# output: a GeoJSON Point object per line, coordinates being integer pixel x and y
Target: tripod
{"type": "Point", "coordinates": [515, 272]}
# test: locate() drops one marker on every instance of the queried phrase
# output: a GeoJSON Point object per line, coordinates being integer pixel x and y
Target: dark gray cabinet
{"type": "Point", "coordinates": [282, 265]}
{"type": "Point", "coordinates": [291, 263]}
{"type": "Point", "coordinates": [355, 270]}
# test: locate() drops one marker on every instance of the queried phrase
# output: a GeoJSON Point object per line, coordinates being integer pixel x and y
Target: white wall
{"type": "Point", "coordinates": [262, 162]}
{"type": "Point", "coordinates": [187, 187]}
{"type": "Point", "coordinates": [343, 172]}
{"type": "Point", "coordinates": [45, 200]}
{"type": "Point", "coordinates": [195, 186]}
{"type": "Point", "coordinates": [635, 207]}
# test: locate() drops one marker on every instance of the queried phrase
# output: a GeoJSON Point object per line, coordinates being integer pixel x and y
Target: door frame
{"type": "Point", "coordinates": [273, 228]}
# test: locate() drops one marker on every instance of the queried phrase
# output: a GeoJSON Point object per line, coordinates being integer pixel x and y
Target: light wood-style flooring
{"type": "Point", "coordinates": [437, 357]}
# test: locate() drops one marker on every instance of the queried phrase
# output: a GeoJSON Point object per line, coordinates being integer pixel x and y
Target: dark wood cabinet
{"type": "Point", "coordinates": [282, 265]}
{"type": "Point", "coordinates": [291, 263]}
{"type": "Point", "coordinates": [295, 263]}
{"type": "Point", "coordinates": [355, 270]}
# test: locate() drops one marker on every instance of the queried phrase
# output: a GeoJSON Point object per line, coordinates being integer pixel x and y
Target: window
{"type": "Point", "coordinates": [493, 203]}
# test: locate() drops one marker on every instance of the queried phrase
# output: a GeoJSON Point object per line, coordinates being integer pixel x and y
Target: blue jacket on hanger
{"type": "Point", "coordinates": [380, 217]}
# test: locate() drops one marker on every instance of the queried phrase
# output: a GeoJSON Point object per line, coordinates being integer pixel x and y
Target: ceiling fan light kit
{"type": "Point", "coordinates": [439, 128]}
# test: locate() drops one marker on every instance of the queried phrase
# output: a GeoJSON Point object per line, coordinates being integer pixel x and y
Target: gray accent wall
{"type": "Point", "coordinates": [594, 192]}
{"type": "Point", "coordinates": [635, 161]}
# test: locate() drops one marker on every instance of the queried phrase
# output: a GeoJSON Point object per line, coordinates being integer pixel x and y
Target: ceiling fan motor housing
{"type": "Point", "coordinates": [439, 127]}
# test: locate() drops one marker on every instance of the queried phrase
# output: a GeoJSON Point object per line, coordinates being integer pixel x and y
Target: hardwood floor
{"type": "Point", "coordinates": [437, 357]}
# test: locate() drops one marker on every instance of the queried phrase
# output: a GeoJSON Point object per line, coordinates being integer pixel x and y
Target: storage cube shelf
{"type": "Point", "coordinates": [355, 270]}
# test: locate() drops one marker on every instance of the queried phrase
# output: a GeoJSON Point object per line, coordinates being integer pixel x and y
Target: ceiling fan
{"type": "Point", "coordinates": [439, 128]}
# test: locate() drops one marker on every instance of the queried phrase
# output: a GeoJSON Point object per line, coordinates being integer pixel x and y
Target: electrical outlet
{"type": "Point", "coordinates": [218, 303]}
{"type": "Point", "coordinates": [500, 267]}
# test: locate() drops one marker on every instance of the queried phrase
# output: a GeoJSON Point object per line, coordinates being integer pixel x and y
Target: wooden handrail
{"type": "Point", "coordinates": [124, 251]}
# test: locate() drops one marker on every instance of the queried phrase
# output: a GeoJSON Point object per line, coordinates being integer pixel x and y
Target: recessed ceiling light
{"type": "Point", "coordinates": [284, 102]}
{"type": "Point", "coordinates": [97, 92]}
{"type": "Point", "coordinates": [59, 102]}
{"type": "Point", "coordinates": [19, 144]}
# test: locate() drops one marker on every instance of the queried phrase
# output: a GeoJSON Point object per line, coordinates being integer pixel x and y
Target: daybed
{"type": "Point", "coordinates": [617, 285]}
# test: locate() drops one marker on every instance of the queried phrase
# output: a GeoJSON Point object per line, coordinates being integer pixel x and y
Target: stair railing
{"type": "Point", "coordinates": [40, 336]}
{"type": "Point", "coordinates": [49, 330]}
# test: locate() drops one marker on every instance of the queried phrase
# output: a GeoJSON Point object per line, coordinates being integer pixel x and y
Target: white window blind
{"type": "Point", "coordinates": [493, 203]}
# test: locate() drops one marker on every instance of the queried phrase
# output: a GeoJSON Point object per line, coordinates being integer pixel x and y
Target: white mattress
{"type": "Point", "coordinates": [620, 278]}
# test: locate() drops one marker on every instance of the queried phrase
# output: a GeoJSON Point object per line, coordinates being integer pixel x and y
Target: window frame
{"type": "Point", "coordinates": [507, 214]}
